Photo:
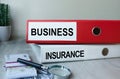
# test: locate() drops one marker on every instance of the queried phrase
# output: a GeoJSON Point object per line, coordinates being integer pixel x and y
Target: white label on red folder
{"type": "Point", "coordinates": [58, 31]}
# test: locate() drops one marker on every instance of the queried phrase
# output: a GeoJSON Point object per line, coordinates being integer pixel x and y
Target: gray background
{"type": "Point", "coordinates": [22, 10]}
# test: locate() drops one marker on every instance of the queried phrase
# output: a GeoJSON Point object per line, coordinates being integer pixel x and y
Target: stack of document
{"type": "Point", "coordinates": [73, 40]}
{"type": "Point", "coordinates": [15, 70]}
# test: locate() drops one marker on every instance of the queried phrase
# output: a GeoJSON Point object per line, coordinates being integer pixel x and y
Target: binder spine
{"type": "Point", "coordinates": [73, 31]}
{"type": "Point", "coordinates": [62, 53]}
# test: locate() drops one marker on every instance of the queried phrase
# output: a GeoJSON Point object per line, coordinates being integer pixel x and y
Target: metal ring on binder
{"type": "Point", "coordinates": [96, 31]}
{"type": "Point", "coordinates": [105, 52]}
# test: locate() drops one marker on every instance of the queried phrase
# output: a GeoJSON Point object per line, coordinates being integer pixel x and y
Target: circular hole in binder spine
{"type": "Point", "coordinates": [96, 31]}
{"type": "Point", "coordinates": [105, 52]}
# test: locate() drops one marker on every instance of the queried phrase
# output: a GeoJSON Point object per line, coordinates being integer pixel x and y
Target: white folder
{"type": "Point", "coordinates": [52, 53]}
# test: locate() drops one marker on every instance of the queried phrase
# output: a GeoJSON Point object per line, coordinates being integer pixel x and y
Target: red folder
{"type": "Point", "coordinates": [85, 31]}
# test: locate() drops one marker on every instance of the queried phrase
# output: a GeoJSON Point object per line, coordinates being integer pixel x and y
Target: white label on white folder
{"type": "Point", "coordinates": [56, 31]}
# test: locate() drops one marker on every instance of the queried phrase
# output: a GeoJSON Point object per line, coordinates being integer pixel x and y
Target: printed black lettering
{"type": "Point", "coordinates": [78, 53]}
{"type": "Point", "coordinates": [59, 31]}
{"type": "Point", "coordinates": [53, 32]}
{"type": "Point", "coordinates": [81, 53]}
{"type": "Point", "coordinates": [65, 31]}
{"type": "Point", "coordinates": [62, 54]}
{"type": "Point", "coordinates": [48, 55]}
{"type": "Point", "coordinates": [54, 55]}
{"type": "Point", "coordinates": [70, 31]}
{"type": "Point", "coordinates": [58, 55]}
{"type": "Point", "coordinates": [65, 54]}
{"type": "Point", "coordinates": [73, 54]}
{"type": "Point", "coordinates": [39, 31]}
{"type": "Point", "coordinates": [68, 54]}
{"type": "Point", "coordinates": [33, 31]}
{"type": "Point", "coordinates": [45, 31]}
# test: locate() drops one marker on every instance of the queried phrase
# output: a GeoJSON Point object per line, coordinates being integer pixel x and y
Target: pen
{"type": "Point", "coordinates": [30, 63]}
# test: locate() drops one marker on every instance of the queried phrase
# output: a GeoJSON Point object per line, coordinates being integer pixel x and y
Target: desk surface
{"type": "Point", "coordinates": [93, 69]}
